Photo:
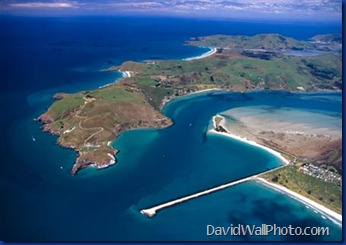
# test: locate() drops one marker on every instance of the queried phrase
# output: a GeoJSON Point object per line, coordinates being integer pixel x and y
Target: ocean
{"type": "Point", "coordinates": [42, 202]}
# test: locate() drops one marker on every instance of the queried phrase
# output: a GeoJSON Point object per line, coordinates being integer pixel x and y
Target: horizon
{"type": "Point", "coordinates": [329, 11]}
{"type": "Point", "coordinates": [110, 116]}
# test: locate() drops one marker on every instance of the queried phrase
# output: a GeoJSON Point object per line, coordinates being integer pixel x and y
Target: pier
{"type": "Point", "coordinates": [150, 212]}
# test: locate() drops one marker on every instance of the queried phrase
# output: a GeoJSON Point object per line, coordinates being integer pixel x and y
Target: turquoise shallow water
{"type": "Point", "coordinates": [185, 161]}
{"type": "Point", "coordinates": [154, 166]}
{"type": "Point", "coordinates": [42, 202]}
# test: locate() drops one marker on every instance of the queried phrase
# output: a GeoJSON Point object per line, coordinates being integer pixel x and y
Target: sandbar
{"type": "Point", "coordinates": [322, 209]}
{"type": "Point", "coordinates": [245, 140]}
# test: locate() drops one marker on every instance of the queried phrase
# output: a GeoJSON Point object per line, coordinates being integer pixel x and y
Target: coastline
{"type": "Point", "coordinates": [165, 101]}
{"type": "Point", "coordinates": [209, 53]}
{"type": "Point", "coordinates": [124, 74]}
{"type": "Point", "coordinates": [322, 209]}
{"type": "Point", "coordinates": [104, 153]}
{"type": "Point", "coordinates": [230, 135]}
{"type": "Point", "coordinates": [205, 90]}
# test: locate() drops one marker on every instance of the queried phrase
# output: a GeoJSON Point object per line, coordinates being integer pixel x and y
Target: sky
{"type": "Point", "coordinates": [323, 10]}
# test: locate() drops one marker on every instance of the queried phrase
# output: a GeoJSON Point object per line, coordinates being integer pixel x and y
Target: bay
{"type": "Point", "coordinates": [42, 202]}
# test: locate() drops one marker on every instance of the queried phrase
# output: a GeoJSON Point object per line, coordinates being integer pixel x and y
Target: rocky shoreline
{"type": "Point", "coordinates": [88, 120]}
{"type": "Point", "coordinates": [83, 162]}
{"type": "Point", "coordinates": [102, 157]}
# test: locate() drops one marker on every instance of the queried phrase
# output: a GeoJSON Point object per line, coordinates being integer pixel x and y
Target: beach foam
{"type": "Point", "coordinates": [125, 74]}
{"type": "Point", "coordinates": [210, 52]}
{"type": "Point", "coordinates": [322, 209]}
{"type": "Point", "coordinates": [205, 90]}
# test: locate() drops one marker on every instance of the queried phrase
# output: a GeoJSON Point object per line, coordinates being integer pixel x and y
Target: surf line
{"type": "Point", "coordinates": [150, 212]}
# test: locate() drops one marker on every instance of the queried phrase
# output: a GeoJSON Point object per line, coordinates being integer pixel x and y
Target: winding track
{"type": "Point", "coordinates": [100, 129]}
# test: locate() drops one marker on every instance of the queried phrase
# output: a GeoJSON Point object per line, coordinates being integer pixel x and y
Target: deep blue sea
{"type": "Point", "coordinates": [40, 201]}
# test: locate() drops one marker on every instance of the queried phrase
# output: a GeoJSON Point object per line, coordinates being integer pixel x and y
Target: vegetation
{"type": "Point", "coordinates": [327, 194]}
{"type": "Point", "coordinates": [260, 41]}
{"type": "Point", "coordinates": [239, 70]}
{"type": "Point", "coordinates": [87, 121]}
{"type": "Point", "coordinates": [328, 38]}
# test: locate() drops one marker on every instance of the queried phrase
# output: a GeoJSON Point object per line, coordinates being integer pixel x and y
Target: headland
{"type": "Point", "coordinates": [235, 63]}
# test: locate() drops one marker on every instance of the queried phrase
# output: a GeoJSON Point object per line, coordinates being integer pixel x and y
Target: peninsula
{"type": "Point", "coordinates": [89, 120]}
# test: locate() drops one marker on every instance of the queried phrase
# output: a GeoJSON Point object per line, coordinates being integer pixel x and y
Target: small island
{"type": "Point", "coordinates": [90, 120]}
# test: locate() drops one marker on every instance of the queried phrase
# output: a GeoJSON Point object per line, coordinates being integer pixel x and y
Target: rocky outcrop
{"type": "Point", "coordinates": [45, 119]}
{"type": "Point", "coordinates": [59, 96]}
{"type": "Point", "coordinates": [98, 159]}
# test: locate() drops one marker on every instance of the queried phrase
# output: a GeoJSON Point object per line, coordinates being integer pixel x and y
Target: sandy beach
{"type": "Point", "coordinates": [305, 134]}
{"type": "Point", "coordinates": [165, 100]}
{"type": "Point", "coordinates": [322, 209]}
{"type": "Point", "coordinates": [227, 134]}
{"type": "Point", "coordinates": [125, 74]}
{"type": "Point", "coordinates": [205, 90]}
{"type": "Point", "coordinates": [211, 52]}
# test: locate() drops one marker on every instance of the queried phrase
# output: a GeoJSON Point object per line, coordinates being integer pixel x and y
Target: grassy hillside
{"type": "Point", "coordinates": [87, 121]}
{"type": "Point", "coordinates": [234, 71]}
{"type": "Point", "coordinates": [260, 41]}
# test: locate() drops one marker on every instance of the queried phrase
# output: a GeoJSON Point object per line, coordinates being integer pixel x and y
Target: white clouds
{"type": "Point", "coordinates": [38, 5]}
{"type": "Point", "coordinates": [288, 6]}
{"type": "Point", "coordinates": [134, 4]}
{"type": "Point", "coordinates": [194, 7]}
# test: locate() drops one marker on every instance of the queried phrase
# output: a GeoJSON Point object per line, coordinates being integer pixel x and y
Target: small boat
{"type": "Point", "coordinates": [33, 139]}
